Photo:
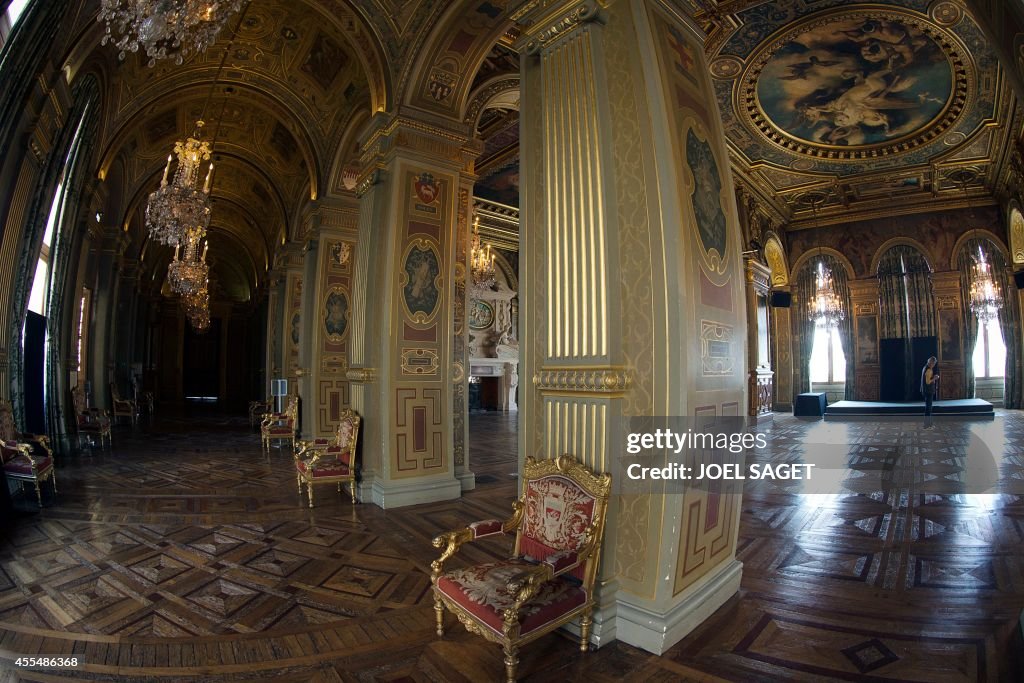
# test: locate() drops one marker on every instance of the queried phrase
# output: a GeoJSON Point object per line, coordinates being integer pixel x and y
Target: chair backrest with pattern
{"type": "Point", "coordinates": [8, 432]}
{"type": "Point", "coordinates": [562, 500]}
{"type": "Point", "coordinates": [346, 435]}
{"type": "Point", "coordinates": [78, 399]}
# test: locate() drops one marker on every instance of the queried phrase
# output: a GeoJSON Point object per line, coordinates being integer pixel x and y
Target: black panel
{"type": "Point", "coordinates": [923, 349]}
{"type": "Point", "coordinates": [892, 359]}
{"type": "Point", "coordinates": [1018, 278]}
{"type": "Point", "coordinates": [34, 379]}
{"type": "Point", "coordinates": [780, 299]}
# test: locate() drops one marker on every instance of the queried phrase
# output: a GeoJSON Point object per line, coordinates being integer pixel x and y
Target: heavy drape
{"type": "Point", "coordinates": [1008, 315]}
{"type": "Point", "coordinates": [804, 327]}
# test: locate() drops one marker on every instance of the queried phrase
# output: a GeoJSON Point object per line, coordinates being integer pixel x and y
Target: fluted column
{"type": "Point", "coordinates": [631, 288]}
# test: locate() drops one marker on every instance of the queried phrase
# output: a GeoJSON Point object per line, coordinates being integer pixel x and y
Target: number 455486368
{"type": "Point", "coordinates": [42, 662]}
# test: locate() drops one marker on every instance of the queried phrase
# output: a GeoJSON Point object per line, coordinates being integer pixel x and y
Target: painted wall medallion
{"type": "Point", "coordinates": [426, 188]}
{"type": "Point", "coordinates": [296, 326]}
{"type": "Point", "coordinates": [420, 291]}
{"type": "Point", "coordinates": [856, 82]}
{"type": "Point", "coordinates": [336, 314]}
{"type": "Point", "coordinates": [707, 199]}
{"type": "Point", "coordinates": [481, 315]}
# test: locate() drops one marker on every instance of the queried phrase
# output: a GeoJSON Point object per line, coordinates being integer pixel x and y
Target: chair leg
{"type": "Point", "coordinates": [352, 489]}
{"type": "Point", "coordinates": [439, 615]}
{"type": "Point", "coordinates": [53, 480]}
{"type": "Point", "coordinates": [585, 623]}
{"type": "Point", "coordinates": [298, 479]}
{"type": "Point", "coordinates": [39, 493]}
{"type": "Point", "coordinates": [309, 488]}
{"type": "Point", "coordinates": [511, 663]}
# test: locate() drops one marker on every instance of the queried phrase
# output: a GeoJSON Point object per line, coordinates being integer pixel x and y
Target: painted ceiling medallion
{"type": "Point", "coordinates": [856, 85]}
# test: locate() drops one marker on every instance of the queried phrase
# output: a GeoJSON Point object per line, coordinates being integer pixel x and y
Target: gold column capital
{"type": "Point", "coordinates": [547, 20]}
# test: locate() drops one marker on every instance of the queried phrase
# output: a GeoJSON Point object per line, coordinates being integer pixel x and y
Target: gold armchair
{"type": "Point", "coordinates": [21, 465]}
{"type": "Point", "coordinates": [325, 462]}
{"type": "Point", "coordinates": [39, 443]}
{"type": "Point", "coordinates": [549, 580]}
{"type": "Point", "coordinates": [123, 407]}
{"type": "Point", "coordinates": [257, 409]}
{"type": "Point", "coordinates": [281, 426]}
{"type": "Point", "coordinates": [89, 422]}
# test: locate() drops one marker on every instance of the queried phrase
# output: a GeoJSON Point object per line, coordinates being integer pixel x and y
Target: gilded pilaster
{"type": "Point", "coordinates": [632, 287]}
{"type": "Point", "coordinates": [864, 302]}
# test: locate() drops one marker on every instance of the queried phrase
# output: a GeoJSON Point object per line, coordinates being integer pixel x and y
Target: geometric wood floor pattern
{"type": "Point", "coordinates": [186, 554]}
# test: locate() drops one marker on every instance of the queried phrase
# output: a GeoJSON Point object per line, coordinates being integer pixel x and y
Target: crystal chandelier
{"type": "Point", "coordinates": [481, 260]}
{"type": "Point", "coordinates": [189, 273]}
{"type": "Point", "coordinates": [165, 28]}
{"type": "Point", "coordinates": [180, 205]}
{"type": "Point", "coordinates": [197, 308]}
{"type": "Point", "coordinates": [985, 298]}
{"type": "Point", "coordinates": [825, 308]}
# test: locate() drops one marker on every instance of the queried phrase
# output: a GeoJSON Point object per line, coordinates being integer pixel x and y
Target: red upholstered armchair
{"type": "Point", "coordinates": [89, 422]}
{"type": "Point", "coordinates": [20, 465]}
{"type": "Point", "coordinates": [123, 407]}
{"type": "Point", "coordinates": [558, 523]}
{"type": "Point", "coordinates": [329, 462]}
{"type": "Point", "coordinates": [39, 443]}
{"type": "Point", "coordinates": [281, 426]}
{"type": "Point", "coordinates": [258, 409]}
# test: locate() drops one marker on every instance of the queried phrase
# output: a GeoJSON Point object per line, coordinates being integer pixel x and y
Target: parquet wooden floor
{"type": "Point", "coordinates": [185, 554]}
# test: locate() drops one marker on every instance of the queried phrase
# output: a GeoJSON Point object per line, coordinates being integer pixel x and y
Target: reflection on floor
{"type": "Point", "coordinates": [186, 554]}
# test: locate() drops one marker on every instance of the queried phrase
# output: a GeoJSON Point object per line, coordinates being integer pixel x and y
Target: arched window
{"type": "Point", "coordinates": [825, 360]}
{"type": "Point", "coordinates": [15, 8]}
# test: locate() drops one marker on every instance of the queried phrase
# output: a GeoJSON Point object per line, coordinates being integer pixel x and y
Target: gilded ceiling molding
{"type": "Point", "coordinates": [480, 98]}
{"type": "Point", "coordinates": [445, 68]}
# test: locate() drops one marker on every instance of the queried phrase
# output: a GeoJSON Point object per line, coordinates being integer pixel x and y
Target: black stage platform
{"type": "Point", "coordinates": [972, 408]}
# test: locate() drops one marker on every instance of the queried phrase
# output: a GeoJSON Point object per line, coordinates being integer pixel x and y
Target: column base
{"type": "Point", "coordinates": [467, 479]}
{"type": "Point", "coordinates": [392, 494]}
{"type": "Point", "coordinates": [656, 632]}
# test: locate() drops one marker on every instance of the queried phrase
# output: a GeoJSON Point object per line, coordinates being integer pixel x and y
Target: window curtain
{"type": "Point", "coordinates": [805, 287]}
{"type": "Point", "coordinates": [906, 300]}
{"type": "Point", "coordinates": [1008, 316]}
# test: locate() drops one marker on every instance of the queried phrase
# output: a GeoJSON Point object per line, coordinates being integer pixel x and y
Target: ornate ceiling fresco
{"type": "Point", "coordinates": [832, 107]}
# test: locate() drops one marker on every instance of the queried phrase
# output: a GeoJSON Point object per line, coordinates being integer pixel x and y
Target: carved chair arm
{"type": "Point", "coordinates": [527, 583]}
{"type": "Point", "coordinates": [452, 540]}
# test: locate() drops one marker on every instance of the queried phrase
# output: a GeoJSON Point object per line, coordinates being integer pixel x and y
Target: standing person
{"type": "Point", "coordinates": [929, 387]}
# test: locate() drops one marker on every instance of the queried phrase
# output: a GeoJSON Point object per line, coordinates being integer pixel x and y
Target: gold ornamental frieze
{"type": "Point", "coordinates": [361, 375]}
{"type": "Point", "coordinates": [584, 380]}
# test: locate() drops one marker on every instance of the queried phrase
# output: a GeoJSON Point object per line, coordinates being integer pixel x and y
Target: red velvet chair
{"type": "Point", "coordinates": [39, 443]}
{"type": "Point", "coordinates": [549, 580]}
{"type": "Point", "coordinates": [20, 465]}
{"type": "Point", "coordinates": [329, 462]}
{"type": "Point", "coordinates": [89, 422]}
{"type": "Point", "coordinates": [281, 426]}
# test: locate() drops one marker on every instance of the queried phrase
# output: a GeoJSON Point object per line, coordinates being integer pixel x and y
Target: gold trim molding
{"type": "Point", "coordinates": [585, 13]}
{"type": "Point", "coordinates": [361, 375]}
{"type": "Point", "coordinates": [608, 380]}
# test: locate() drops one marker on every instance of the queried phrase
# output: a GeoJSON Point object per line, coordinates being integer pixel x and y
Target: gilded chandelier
{"type": "Point", "coordinates": [985, 298]}
{"type": "Point", "coordinates": [181, 205]}
{"type": "Point", "coordinates": [189, 273]}
{"type": "Point", "coordinates": [481, 260]}
{"type": "Point", "coordinates": [165, 28]}
{"type": "Point", "coordinates": [825, 308]}
{"type": "Point", "coordinates": [197, 308]}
